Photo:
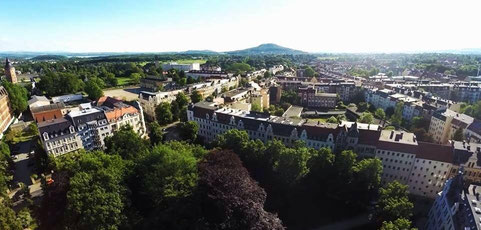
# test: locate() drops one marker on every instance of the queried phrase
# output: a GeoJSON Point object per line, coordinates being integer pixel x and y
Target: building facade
{"type": "Point", "coordinates": [424, 167]}
{"type": "Point", "coordinates": [6, 113]}
{"type": "Point", "coordinates": [58, 136]}
{"type": "Point", "coordinates": [311, 98]}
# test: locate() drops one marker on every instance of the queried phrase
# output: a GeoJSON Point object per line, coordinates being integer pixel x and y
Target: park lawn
{"type": "Point", "coordinates": [123, 81]}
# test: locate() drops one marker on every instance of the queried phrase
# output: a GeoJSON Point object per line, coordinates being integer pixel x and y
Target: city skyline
{"type": "Point", "coordinates": [163, 26]}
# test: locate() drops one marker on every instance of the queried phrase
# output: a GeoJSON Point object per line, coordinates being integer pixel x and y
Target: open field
{"type": "Point", "coordinates": [129, 94]}
{"type": "Point", "coordinates": [123, 81]}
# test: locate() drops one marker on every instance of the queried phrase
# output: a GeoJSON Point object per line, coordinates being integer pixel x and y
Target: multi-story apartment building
{"type": "Point", "coordinates": [397, 151]}
{"type": "Point", "coordinates": [431, 169]}
{"type": "Point", "coordinates": [424, 167]}
{"type": "Point", "coordinates": [203, 74]}
{"type": "Point", "coordinates": [120, 114]}
{"type": "Point", "coordinates": [92, 126]}
{"type": "Point", "coordinates": [87, 127]}
{"type": "Point", "coordinates": [180, 67]}
{"type": "Point", "coordinates": [467, 157]}
{"type": "Point", "coordinates": [454, 207]}
{"type": "Point", "coordinates": [444, 124]}
{"type": "Point", "coordinates": [311, 98]}
{"type": "Point", "coordinates": [385, 99]}
{"type": "Point", "coordinates": [154, 83]}
{"type": "Point", "coordinates": [58, 136]}
{"type": "Point", "coordinates": [275, 69]}
{"type": "Point", "coordinates": [6, 113]}
{"type": "Point", "coordinates": [150, 100]}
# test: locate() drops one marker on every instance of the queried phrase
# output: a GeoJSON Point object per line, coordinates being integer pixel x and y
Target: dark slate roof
{"type": "Point", "coordinates": [398, 147]}
{"type": "Point", "coordinates": [475, 127]}
{"type": "Point", "coordinates": [55, 126]}
{"type": "Point", "coordinates": [319, 132]}
{"type": "Point", "coordinates": [436, 152]}
{"type": "Point", "coordinates": [465, 152]}
{"type": "Point", "coordinates": [369, 137]}
{"type": "Point", "coordinates": [77, 120]}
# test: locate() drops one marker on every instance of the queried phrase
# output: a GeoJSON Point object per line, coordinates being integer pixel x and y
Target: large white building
{"type": "Point", "coordinates": [444, 124]}
{"type": "Point", "coordinates": [424, 167]}
{"type": "Point", "coordinates": [59, 136]}
{"type": "Point", "coordinates": [454, 207]}
{"type": "Point", "coordinates": [87, 127]}
{"type": "Point", "coordinates": [180, 67]}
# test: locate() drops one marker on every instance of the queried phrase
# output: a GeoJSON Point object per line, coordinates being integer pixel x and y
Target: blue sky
{"type": "Point", "coordinates": [310, 25]}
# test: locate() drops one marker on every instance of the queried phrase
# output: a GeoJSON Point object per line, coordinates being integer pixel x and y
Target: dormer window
{"type": "Point", "coordinates": [72, 129]}
{"type": "Point", "coordinates": [45, 136]}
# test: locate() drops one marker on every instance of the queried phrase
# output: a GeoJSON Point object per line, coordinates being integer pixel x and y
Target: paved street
{"type": "Point", "coordinates": [22, 168]}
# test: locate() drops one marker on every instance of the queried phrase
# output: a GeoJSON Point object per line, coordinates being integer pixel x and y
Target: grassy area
{"type": "Point", "coordinates": [322, 120]}
{"type": "Point", "coordinates": [123, 81]}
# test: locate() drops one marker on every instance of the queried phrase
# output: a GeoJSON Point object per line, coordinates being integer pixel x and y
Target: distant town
{"type": "Point", "coordinates": [263, 138]}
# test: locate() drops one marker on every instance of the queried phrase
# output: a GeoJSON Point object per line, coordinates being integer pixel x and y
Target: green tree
{"type": "Point", "coordinates": [8, 220]}
{"type": "Point", "coordinates": [93, 90]}
{"type": "Point", "coordinates": [367, 118]}
{"type": "Point", "coordinates": [393, 202]}
{"type": "Point", "coordinates": [196, 96]}
{"type": "Point", "coordinates": [397, 117]}
{"type": "Point", "coordinates": [458, 135]}
{"type": "Point", "coordinates": [189, 130]}
{"type": "Point", "coordinates": [182, 99]}
{"type": "Point", "coordinates": [95, 198]}
{"type": "Point", "coordinates": [332, 119]}
{"type": "Point", "coordinates": [379, 113]}
{"type": "Point", "coordinates": [126, 143]}
{"type": "Point", "coordinates": [170, 172]}
{"type": "Point", "coordinates": [267, 74]}
{"type": "Point", "coordinates": [256, 107]}
{"type": "Point", "coordinates": [135, 78]}
{"type": "Point", "coordinates": [156, 134]}
{"type": "Point", "coordinates": [17, 96]}
{"type": "Point", "coordinates": [398, 224]}
{"type": "Point", "coordinates": [233, 139]}
{"type": "Point", "coordinates": [290, 165]}
{"type": "Point", "coordinates": [163, 113]}
{"type": "Point", "coordinates": [309, 72]}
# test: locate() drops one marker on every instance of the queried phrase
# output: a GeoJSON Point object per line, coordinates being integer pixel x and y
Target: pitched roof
{"type": "Point", "coordinates": [475, 127]}
{"type": "Point", "coordinates": [56, 126]}
{"type": "Point", "coordinates": [398, 147]}
{"type": "Point", "coordinates": [436, 152]}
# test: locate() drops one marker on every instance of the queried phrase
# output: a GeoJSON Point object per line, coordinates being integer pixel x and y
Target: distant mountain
{"type": "Point", "coordinates": [268, 48]}
{"type": "Point", "coordinates": [208, 52]}
{"type": "Point", "coordinates": [49, 58]}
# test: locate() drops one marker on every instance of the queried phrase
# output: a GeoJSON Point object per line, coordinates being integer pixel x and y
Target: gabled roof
{"type": "Point", "coordinates": [55, 126]}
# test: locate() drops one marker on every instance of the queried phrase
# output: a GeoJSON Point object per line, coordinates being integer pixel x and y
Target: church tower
{"type": "Point", "coordinates": [10, 72]}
